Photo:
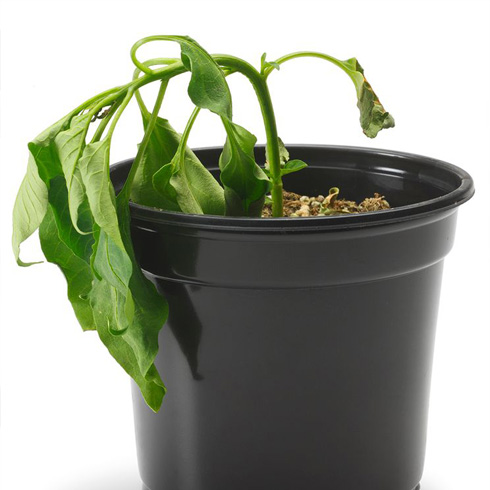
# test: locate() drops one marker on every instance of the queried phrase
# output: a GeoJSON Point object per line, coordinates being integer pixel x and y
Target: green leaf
{"type": "Point", "coordinates": [113, 265]}
{"type": "Point", "coordinates": [77, 271]}
{"type": "Point", "coordinates": [70, 144]}
{"type": "Point", "coordinates": [150, 313]}
{"type": "Point", "coordinates": [161, 148]}
{"type": "Point", "coordinates": [94, 170]}
{"type": "Point", "coordinates": [150, 383]}
{"type": "Point", "coordinates": [45, 153]}
{"type": "Point", "coordinates": [106, 287]}
{"type": "Point", "coordinates": [110, 260]}
{"type": "Point", "coordinates": [293, 166]}
{"type": "Point", "coordinates": [208, 88]}
{"type": "Point", "coordinates": [80, 245]}
{"type": "Point", "coordinates": [32, 199]}
{"type": "Point", "coordinates": [128, 311]}
{"type": "Point", "coordinates": [184, 182]}
{"type": "Point", "coordinates": [244, 181]}
{"type": "Point", "coordinates": [29, 209]}
{"type": "Point", "coordinates": [373, 116]}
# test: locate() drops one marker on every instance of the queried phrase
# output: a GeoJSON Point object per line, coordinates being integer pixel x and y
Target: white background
{"type": "Point", "coordinates": [66, 420]}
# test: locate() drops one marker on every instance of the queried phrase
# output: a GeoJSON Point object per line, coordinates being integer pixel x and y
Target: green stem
{"type": "Point", "coordinates": [183, 140]}
{"type": "Point", "coordinates": [105, 121]}
{"type": "Point", "coordinates": [304, 54]}
{"type": "Point", "coordinates": [188, 127]}
{"type": "Point", "coordinates": [125, 192]}
{"type": "Point", "coordinates": [94, 99]}
{"type": "Point", "coordinates": [263, 95]}
{"type": "Point", "coordinates": [137, 71]}
{"type": "Point", "coordinates": [120, 110]}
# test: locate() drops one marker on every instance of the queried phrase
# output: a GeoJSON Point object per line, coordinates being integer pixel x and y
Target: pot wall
{"type": "Point", "coordinates": [296, 356]}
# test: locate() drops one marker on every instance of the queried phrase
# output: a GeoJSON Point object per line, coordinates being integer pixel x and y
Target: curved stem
{"type": "Point", "coordinates": [94, 99]}
{"type": "Point", "coordinates": [304, 54]}
{"type": "Point", "coordinates": [165, 73]}
{"type": "Point", "coordinates": [188, 127]}
{"type": "Point", "coordinates": [183, 140]}
{"type": "Point", "coordinates": [143, 66]}
{"type": "Point", "coordinates": [263, 95]}
{"type": "Point", "coordinates": [137, 71]}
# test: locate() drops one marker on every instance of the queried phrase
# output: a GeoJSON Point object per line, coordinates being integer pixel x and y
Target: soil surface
{"type": "Point", "coordinates": [297, 206]}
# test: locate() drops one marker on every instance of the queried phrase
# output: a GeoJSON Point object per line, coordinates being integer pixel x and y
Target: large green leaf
{"type": "Point", "coordinates": [76, 270]}
{"type": "Point", "coordinates": [150, 314]}
{"type": "Point", "coordinates": [110, 260]}
{"type": "Point", "coordinates": [245, 182]}
{"type": "Point", "coordinates": [80, 245]}
{"type": "Point", "coordinates": [29, 208]}
{"type": "Point", "coordinates": [94, 170]}
{"type": "Point", "coordinates": [373, 116]}
{"type": "Point", "coordinates": [128, 311]}
{"type": "Point", "coordinates": [150, 383]}
{"type": "Point", "coordinates": [66, 189]}
{"type": "Point", "coordinates": [70, 144]}
{"type": "Point", "coordinates": [32, 198]}
{"type": "Point", "coordinates": [184, 182]}
{"type": "Point", "coordinates": [163, 144]}
{"type": "Point", "coordinates": [208, 88]}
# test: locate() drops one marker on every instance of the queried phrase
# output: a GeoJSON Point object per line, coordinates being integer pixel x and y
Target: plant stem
{"type": "Point", "coordinates": [137, 71]}
{"type": "Point", "coordinates": [125, 192]}
{"type": "Point", "coordinates": [120, 110]}
{"type": "Point", "coordinates": [304, 54]}
{"type": "Point", "coordinates": [263, 95]}
{"type": "Point", "coordinates": [96, 98]}
{"type": "Point", "coordinates": [105, 121]}
{"type": "Point", "coordinates": [188, 127]}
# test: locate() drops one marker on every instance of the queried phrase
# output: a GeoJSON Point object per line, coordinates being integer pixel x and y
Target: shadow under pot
{"type": "Point", "coordinates": [298, 352]}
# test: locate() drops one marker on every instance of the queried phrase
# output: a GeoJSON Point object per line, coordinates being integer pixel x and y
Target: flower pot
{"type": "Point", "coordinates": [298, 352]}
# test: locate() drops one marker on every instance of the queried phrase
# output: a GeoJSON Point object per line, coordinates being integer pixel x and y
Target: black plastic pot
{"type": "Point", "coordinates": [298, 352]}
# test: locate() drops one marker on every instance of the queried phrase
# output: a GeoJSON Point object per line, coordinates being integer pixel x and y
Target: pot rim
{"type": "Point", "coordinates": [446, 202]}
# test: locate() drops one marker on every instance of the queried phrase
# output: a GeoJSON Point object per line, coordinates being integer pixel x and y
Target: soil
{"type": "Point", "coordinates": [296, 206]}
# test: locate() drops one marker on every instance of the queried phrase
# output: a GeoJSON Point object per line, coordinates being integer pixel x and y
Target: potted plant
{"type": "Point", "coordinates": [297, 350]}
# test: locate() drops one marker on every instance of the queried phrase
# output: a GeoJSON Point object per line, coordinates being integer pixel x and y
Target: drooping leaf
{"type": "Point", "coordinates": [110, 260]}
{"type": "Point", "coordinates": [150, 314]}
{"type": "Point", "coordinates": [112, 264]}
{"type": "Point", "coordinates": [94, 170]}
{"type": "Point", "coordinates": [70, 144]}
{"type": "Point", "coordinates": [161, 148]}
{"type": "Point", "coordinates": [245, 182]}
{"type": "Point", "coordinates": [184, 181]}
{"type": "Point", "coordinates": [373, 116]}
{"type": "Point", "coordinates": [128, 311]}
{"type": "Point", "coordinates": [32, 199]}
{"type": "Point", "coordinates": [80, 245]}
{"type": "Point", "coordinates": [77, 271]}
{"type": "Point", "coordinates": [29, 209]}
{"type": "Point", "coordinates": [150, 383]}
{"type": "Point", "coordinates": [106, 287]}
{"type": "Point", "coordinates": [208, 88]}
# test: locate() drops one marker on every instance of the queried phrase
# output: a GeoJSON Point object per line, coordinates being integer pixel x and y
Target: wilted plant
{"type": "Point", "coordinates": [84, 227]}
